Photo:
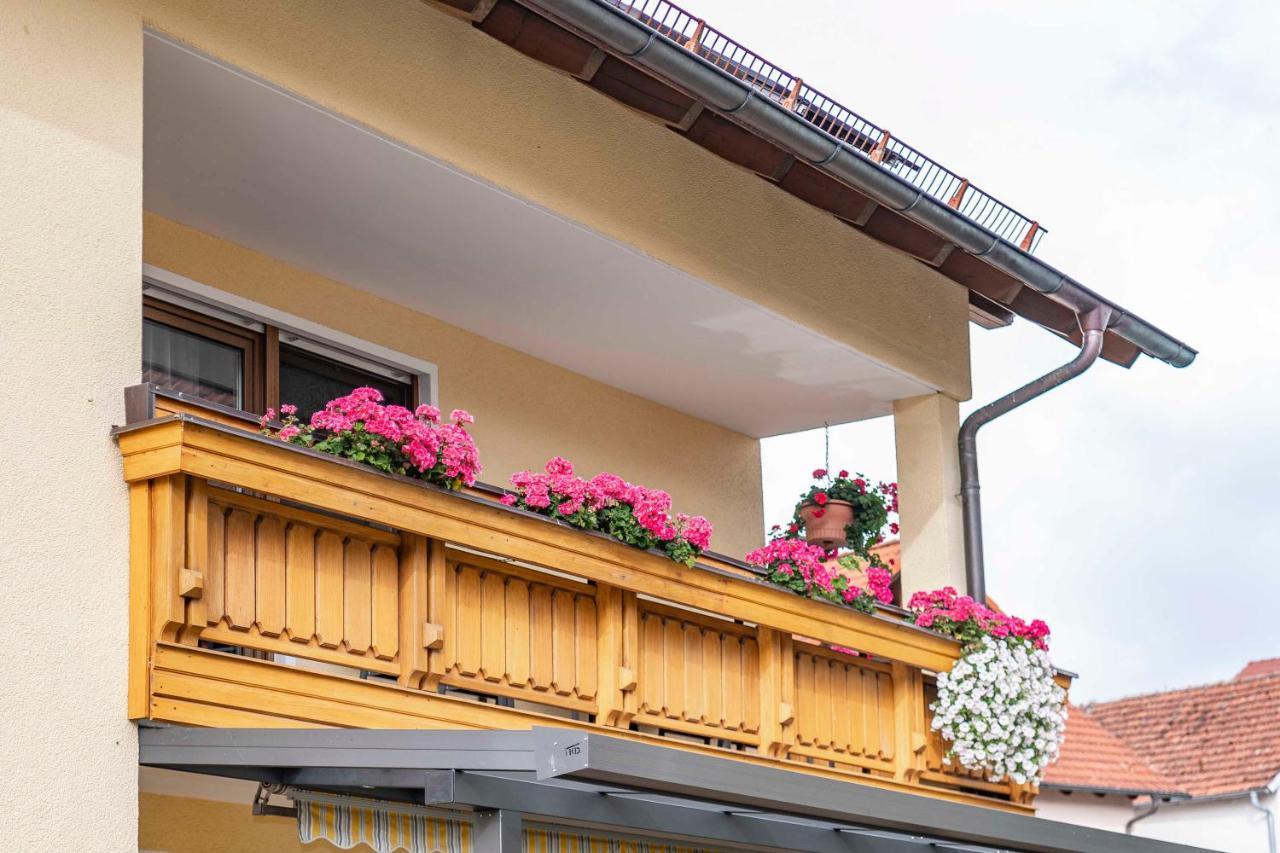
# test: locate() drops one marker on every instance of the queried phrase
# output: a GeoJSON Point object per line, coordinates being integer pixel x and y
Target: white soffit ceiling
{"type": "Point", "coordinates": [233, 156]}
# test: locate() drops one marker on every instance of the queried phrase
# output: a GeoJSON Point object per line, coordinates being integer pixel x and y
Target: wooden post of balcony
{"type": "Point", "coordinates": [415, 632]}
{"type": "Point", "coordinates": [909, 723]}
{"type": "Point", "coordinates": [441, 630]}
{"type": "Point", "coordinates": [168, 556]}
{"type": "Point", "coordinates": [192, 574]}
{"type": "Point", "coordinates": [617, 638]}
{"type": "Point", "coordinates": [777, 692]}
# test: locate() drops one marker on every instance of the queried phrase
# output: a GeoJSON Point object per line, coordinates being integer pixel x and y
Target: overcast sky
{"type": "Point", "coordinates": [1135, 510]}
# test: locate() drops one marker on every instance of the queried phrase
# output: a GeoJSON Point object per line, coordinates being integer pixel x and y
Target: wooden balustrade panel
{"type": "Point", "coordinates": [285, 580]}
{"type": "Point", "coordinates": [521, 634]}
{"type": "Point", "coordinates": [844, 709]}
{"type": "Point", "coordinates": [937, 771]}
{"type": "Point", "coordinates": [698, 675]}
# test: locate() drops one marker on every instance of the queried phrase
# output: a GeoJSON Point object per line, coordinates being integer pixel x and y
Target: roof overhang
{"type": "Point", "coordinates": [561, 775]}
{"type": "Point", "coordinates": [735, 107]}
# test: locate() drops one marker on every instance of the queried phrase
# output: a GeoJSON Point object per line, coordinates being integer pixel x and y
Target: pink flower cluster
{"type": "Point", "coordinates": [807, 569]}
{"type": "Point", "coordinates": [389, 437]}
{"type": "Point", "coordinates": [560, 492]}
{"type": "Point", "coordinates": [880, 583]}
{"type": "Point", "coordinates": [959, 615]}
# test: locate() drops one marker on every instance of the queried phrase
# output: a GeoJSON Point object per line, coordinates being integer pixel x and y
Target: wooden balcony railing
{"type": "Point", "coordinates": [276, 586]}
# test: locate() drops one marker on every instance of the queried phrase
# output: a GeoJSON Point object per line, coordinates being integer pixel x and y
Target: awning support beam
{"type": "Point", "coordinates": [498, 831]}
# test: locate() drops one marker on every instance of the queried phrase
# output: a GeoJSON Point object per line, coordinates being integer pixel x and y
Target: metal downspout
{"type": "Point", "coordinates": [1155, 807]}
{"type": "Point", "coordinates": [1271, 821]}
{"type": "Point", "coordinates": [1093, 325]}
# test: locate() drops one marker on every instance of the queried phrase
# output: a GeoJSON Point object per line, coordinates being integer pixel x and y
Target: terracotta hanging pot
{"type": "Point", "coordinates": [827, 530]}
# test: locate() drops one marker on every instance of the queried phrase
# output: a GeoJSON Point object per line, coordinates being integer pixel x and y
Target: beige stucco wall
{"type": "Point", "coordinates": [189, 825]}
{"type": "Point", "coordinates": [433, 82]}
{"type": "Point", "coordinates": [526, 409]}
{"type": "Point", "coordinates": [70, 249]}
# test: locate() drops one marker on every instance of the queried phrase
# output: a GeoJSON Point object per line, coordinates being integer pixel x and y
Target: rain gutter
{"type": "Point", "coordinates": [635, 42]}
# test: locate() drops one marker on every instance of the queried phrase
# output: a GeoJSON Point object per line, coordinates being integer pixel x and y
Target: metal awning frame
{"type": "Point", "coordinates": [596, 781]}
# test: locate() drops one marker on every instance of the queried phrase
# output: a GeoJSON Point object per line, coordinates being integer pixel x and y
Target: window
{"type": "Point", "coordinates": [309, 381]}
{"type": "Point", "coordinates": [200, 355]}
{"type": "Point", "coordinates": [244, 361]}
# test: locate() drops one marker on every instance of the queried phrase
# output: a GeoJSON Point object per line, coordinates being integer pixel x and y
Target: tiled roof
{"type": "Point", "coordinates": [1094, 759]}
{"type": "Point", "coordinates": [1254, 668]}
{"type": "Point", "coordinates": [1217, 739]}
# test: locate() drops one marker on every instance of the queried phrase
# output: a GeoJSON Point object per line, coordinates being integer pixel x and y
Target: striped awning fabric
{"type": "Point", "coordinates": [347, 823]}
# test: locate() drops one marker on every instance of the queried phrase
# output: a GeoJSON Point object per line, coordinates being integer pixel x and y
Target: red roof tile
{"type": "Point", "coordinates": [1217, 739]}
{"type": "Point", "coordinates": [1093, 758]}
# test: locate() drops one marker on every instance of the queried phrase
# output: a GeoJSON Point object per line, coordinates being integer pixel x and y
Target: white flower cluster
{"type": "Point", "coordinates": [1001, 710]}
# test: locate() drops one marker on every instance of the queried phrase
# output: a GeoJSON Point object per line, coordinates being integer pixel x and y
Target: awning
{"type": "Point", "coordinates": [348, 822]}
{"type": "Point", "coordinates": [604, 787]}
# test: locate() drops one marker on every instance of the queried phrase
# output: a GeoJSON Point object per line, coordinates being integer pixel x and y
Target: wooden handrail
{"type": "Point", "coordinates": [244, 541]}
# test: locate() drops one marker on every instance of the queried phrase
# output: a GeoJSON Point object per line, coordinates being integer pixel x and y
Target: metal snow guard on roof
{"type": "Point", "coordinates": [834, 118]}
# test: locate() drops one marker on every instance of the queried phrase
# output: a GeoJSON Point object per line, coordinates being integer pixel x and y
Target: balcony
{"type": "Point", "coordinates": [277, 586]}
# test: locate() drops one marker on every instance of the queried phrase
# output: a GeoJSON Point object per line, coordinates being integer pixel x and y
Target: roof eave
{"type": "Point", "coordinates": [632, 41]}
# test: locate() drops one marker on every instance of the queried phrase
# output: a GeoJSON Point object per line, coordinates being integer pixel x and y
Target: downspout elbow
{"type": "Point", "coordinates": [1093, 325]}
{"type": "Point", "coordinates": [1155, 807]}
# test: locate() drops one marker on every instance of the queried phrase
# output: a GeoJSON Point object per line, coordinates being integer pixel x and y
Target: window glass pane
{"type": "Point", "coordinates": [309, 381]}
{"type": "Point", "coordinates": [192, 364]}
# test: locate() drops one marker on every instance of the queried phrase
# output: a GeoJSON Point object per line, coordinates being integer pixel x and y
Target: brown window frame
{"type": "Point", "coordinates": [261, 351]}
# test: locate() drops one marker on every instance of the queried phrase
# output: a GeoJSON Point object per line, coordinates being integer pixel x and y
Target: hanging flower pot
{"type": "Point", "coordinates": [843, 511]}
{"type": "Point", "coordinates": [826, 524]}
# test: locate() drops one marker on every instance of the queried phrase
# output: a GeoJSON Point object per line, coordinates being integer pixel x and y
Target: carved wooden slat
{"type": "Point", "coordinates": [841, 707]}
{"type": "Point", "coordinates": [804, 700]}
{"type": "Point", "coordinates": [673, 668]}
{"type": "Point", "coordinates": [270, 587]}
{"type": "Point", "coordinates": [517, 632]}
{"type": "Point", "coordinates": [493, 630]}
{"type": "Point", "coordinates": [585, 646]}
{"type": "Point", "coordinates": [731, 656]}
{"type": "Point", "coordinates": [694, 675]}
{"type": "Point", "coordinates": [885, 711]}
{"type": "Point", "coordinates": [564, 672]}
{"type": "Point", "coordinates": [239, 583]}
{"type": "Point", "coordinates": [871, 714]}
{"type": "Point", "coordinates": [329, 596]}
{"type": "Point", "coordinates": [822, 710]}
{"type": "Point", "coordinates": [386, 602]}
{"type": "Point", "coordinates": [540, 630]}
{"type": "Point", "coordinates": [856, 698]}
{"type": "Point", "coordinates": [468, 627]}
{"type": "Point", "coordinates": [652, 677]}
{"type": "Point", "coordinates": [215, 568]}
{"type": "Point", "coordinates": [300, 582]}
{"type": "Point", "coordinates": [751, 684]}
{"type": "Point", "coordinates": [357, 598]}
{"type": "Point", "coordinates": [712, 679]}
